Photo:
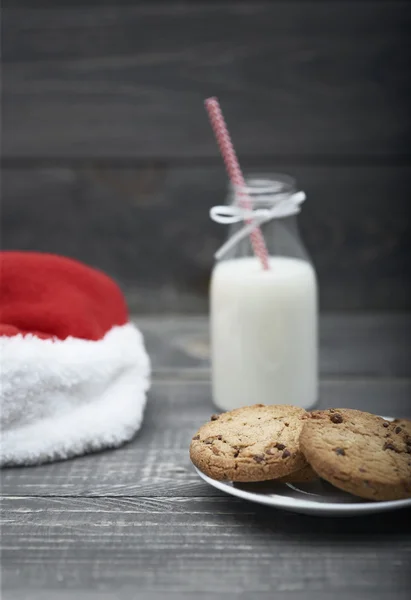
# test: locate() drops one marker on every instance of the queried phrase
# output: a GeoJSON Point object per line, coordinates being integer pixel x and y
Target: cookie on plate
{"type": "Point", "coordinates": [254, 443]}
{"type": "Point", "coordinates": [359, 453]}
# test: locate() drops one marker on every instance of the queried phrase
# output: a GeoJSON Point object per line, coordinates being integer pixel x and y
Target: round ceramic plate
{"type": "Point", "coordinates": [313, 498]}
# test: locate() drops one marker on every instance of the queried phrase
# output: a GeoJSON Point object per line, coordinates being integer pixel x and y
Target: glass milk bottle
{"type": "Point", "coordinates": [264, 322]}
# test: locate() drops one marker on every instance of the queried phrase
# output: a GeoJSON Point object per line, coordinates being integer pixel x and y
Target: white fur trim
{"type": "Point", "coordinates": [63, 398]}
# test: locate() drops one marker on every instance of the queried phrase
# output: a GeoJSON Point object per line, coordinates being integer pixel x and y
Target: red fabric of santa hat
{"type": "Point", "coordinates": [74, 370]}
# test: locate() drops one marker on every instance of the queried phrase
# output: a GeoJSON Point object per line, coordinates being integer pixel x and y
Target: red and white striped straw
{"type": "Point", "coordinates": [234, 172]}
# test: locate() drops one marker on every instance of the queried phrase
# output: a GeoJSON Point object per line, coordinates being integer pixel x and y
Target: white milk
{"type": "Point", "coordinates": [264, 333]}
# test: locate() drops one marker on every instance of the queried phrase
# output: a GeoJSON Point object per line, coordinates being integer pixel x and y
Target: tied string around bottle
{"type": "Point", "coordinates": [285, 206]}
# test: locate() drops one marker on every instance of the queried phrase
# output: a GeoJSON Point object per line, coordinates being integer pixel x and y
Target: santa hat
{"type": "Point", "coordinates": [74, 370]}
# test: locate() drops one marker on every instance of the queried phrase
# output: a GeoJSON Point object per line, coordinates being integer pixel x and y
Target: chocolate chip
{"type": "Point", "coordinates": [362, 470]}
{"type": "Point", "coordinates": [332, 410]}
{"type": "Point", "coordinates": [258, 458]}
{"type": "Point", "coordinates": [385, 424]}
{"type": "Point", "coordinates": [279, 446]}
{"type": "Point", "coordinates": [337, 418]}
{"type": "Point", "coordinates": [214, 417]}
{"type": "Point", "coordinates": [389, 446]}
{"type": "Point", "coordinates": [196, 437]}
{"type": "Point", "coordinates": [287, 424]}
{"type": "Point", "coordinates": [286, 454]}
{"type": "Point", "coordinates": [220, 437]}
{"type": "Point", "coordinates": [398, 430]}
{"type": "Point", "coordinates": [236, 453]}
{"type": "Point", "coordinates": [208, 441]}
{"type": "Point", "coordinates": [340, 451]}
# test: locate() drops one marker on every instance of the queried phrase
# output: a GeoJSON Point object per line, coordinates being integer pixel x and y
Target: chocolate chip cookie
{"type": "Point", "coordinates": [359, 453]}
{"type": "Point", "coordinates": [254, 443]}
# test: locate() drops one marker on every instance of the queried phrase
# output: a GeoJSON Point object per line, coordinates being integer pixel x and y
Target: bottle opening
{"type": "Point", "coordinates": [266, 189]}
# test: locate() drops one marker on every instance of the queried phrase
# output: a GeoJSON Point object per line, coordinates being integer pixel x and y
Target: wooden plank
{"type": "Point", "coordinates": [156, 463]}
{"type": "Point", "coordinates": [215, 545]}
{"type": "Point", "coordinates": [365, 345]}
{"type": "Point", "coordinates": [361, 345]}
{"type": "Point", "coordinates": [129, 593]}
{"type": "Point", "coordinates": [304, 79]}
{"type": "Point", "coordinates": [41, 4]}
{"type": "Point", "coordinates": [110, 218]}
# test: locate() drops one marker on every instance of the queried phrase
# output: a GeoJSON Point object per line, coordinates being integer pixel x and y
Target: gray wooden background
{"type": "Point", "coordinates": [107, 154]}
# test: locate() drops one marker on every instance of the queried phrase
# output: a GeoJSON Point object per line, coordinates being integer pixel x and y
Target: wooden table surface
{"type": "Point", "coordinates": [137, 522]}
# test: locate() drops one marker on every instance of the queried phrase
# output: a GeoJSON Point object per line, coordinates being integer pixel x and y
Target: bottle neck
{"type": "Point", "coordinates": [271, 203]}
{"type": "Point", "coordinates": [262, 191]}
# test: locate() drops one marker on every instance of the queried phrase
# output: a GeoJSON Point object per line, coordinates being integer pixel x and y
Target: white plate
{"type": "Point", "coordinates": [315, 498]}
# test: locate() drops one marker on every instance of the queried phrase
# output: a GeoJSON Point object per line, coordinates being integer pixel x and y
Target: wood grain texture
{"type": "Point", "coordinates": [214, 545]}
{"type": "Point", "coordinates": [128, 592]}
{"type": "Point", "coordinates": [156, 462]}
{"type": "Point", "coordinates": [307, 79]}
{"type": "Point", "coordinates": [149, 227]}
{"type": "Point", "coordinates": [138, 522]}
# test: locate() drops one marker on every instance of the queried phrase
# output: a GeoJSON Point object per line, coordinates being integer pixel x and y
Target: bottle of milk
{"type": "Point", "coordinates": [264, 322]}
